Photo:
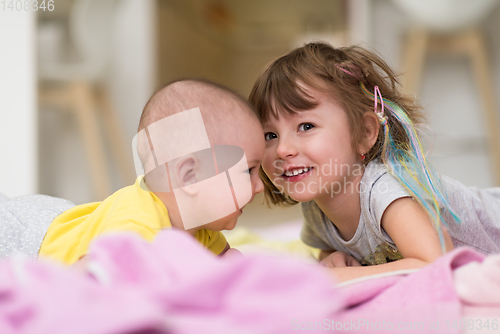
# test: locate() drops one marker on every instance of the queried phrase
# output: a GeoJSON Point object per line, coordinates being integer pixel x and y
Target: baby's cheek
{"type": "Point", "coordinates": [267, 164]}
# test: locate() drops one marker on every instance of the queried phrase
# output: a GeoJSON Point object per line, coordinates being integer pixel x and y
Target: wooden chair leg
{"type": "Point", "coordinates": [122, 150]}
{"type": "Point", "coordinates": [478, 55]}
{"type": "Point", "coordinates": [413, 61]}
{"type": "Point", "coordinates": [84, 106]}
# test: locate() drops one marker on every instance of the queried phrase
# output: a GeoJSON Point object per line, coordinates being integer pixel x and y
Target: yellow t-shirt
{"type": "Point", "coordinates": [130, 209]}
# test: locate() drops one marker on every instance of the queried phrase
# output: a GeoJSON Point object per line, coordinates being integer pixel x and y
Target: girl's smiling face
{"type": "Point", "coordinates": [309, 154]}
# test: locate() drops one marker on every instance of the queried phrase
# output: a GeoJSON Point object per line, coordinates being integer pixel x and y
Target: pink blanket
{"type": "Point", "coordinates": [422, 302]}
{"type": "Point", "coordinates": [175, 286]}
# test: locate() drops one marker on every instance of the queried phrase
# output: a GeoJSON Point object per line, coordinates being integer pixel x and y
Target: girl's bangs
{"type": "Point", "coordinates": [285, 96]}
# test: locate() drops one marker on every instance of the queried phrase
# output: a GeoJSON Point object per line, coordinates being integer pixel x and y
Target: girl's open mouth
{"type": "Point", "coordinates": [296, 174]}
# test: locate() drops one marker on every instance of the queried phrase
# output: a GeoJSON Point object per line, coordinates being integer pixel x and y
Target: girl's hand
{"type": "Point", "coordinates": [339, 259]}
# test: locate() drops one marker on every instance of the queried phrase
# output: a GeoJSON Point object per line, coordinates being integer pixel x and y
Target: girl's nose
{"type": "Point", "coordinates": [286, 149]}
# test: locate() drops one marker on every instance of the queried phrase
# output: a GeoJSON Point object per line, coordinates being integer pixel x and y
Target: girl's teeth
{"type": "Point", "coordinates": [297, 172]}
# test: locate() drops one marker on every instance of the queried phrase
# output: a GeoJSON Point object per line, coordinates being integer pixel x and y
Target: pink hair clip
{"type": "Point", "coordinates": [381, 113]}
{"type": "Point", "coordinates": [357, 76]}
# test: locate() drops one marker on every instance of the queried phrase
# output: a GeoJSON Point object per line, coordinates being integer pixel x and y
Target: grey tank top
{"type": "Point", "coordinates": [479, 210]}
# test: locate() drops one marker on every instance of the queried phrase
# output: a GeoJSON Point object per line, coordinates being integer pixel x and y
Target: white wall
{"type": "Point", "coordinates": [449, 95]}
{"type": "Point", "coordinates": [18, 135]}
{"type": "Point", "coordinates": [134, 68]}
{"type": "Point", "coordinates": [132, 80]}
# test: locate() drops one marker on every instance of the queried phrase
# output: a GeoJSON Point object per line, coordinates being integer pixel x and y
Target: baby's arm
{"type": "Point", "coordinates": [411, 229]}
{"type": "Point", "coordinates": [230, 252]}
{"type": "Point", "coordinates": [81, 264]}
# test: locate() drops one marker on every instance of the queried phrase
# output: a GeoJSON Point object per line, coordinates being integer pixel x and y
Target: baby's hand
{"type": "Point", "coordinates": [339, 259]}
{"type": "Point", "coordinates": [232, 252]}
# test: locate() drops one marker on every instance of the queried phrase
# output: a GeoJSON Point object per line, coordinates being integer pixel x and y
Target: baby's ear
{"type": "Point", "coordinates": [186, 173]}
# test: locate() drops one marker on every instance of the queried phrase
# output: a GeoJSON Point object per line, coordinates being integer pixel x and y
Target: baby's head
{"type": "Point", "coordinates": [199, 141]}
{"type": "Point", "coordinates": [299, 80]}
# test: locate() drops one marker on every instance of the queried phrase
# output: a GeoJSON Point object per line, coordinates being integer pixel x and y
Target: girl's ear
{"type": "Point", "coordinates": [371, 128]}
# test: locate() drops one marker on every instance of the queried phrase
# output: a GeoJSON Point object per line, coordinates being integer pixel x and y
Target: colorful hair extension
{"type": "Point", "coordinates": [408, 164]}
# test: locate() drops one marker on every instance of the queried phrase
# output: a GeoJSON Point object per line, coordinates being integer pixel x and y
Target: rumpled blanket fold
{"type": "Point", "coordinates": [479, 283]}
{"type": "Point", "coordinates": [170, 286]}
{"type": "Point", "coordinates": [175, 286]}
{"type": "Point", "coordinates": [200, 293]}
{"type": "Point", "coordinates": [425, 301]}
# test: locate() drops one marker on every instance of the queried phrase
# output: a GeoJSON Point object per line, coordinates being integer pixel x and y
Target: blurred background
{"type": "Point", "coordinates": [75, 76]}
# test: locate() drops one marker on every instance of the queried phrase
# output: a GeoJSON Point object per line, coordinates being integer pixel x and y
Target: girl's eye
{"type": "Point", "coordinates": [305, 127]}
{"type": "Point", "coordinates": [269, 136]}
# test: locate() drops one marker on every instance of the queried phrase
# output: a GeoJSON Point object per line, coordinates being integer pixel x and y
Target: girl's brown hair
{"type": "Point", "coordinates": [338, 73]}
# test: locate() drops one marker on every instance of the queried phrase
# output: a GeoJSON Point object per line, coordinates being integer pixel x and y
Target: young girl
{"type": "Point", "coordinates": [341, 139]}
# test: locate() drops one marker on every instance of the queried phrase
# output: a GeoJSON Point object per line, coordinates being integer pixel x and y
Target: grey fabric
{"type": "Point", "coordinates": [3, 197]}
{"type": "Point", "coordinates": [24, 220]}
{"type": "Point", "coordinates": [378, 189]}
{"type": "Point", "coordinates": [479, 210]}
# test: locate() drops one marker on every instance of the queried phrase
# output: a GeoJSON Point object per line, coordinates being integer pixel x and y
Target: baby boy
{"type": "Point", "coordinates": [200, 147]}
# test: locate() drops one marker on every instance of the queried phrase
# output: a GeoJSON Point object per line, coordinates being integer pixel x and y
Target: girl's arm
{"type": "Point", "coordinates": [411, 229]}
{"type": "Point", "coordinates": [337, 259]}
